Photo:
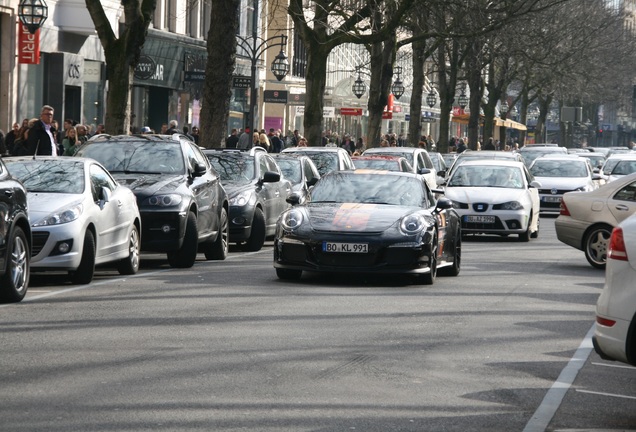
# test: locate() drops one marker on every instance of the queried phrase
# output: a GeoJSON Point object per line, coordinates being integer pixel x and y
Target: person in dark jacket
{"type": "Point", "coordinates": [40, 139]}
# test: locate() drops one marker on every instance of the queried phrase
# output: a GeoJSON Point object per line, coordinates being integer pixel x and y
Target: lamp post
{"type": "Point", "coordinates": [397, 88]}
{"type": "Point", "coordinates": [359, 87]}
{"type": "Point", "coordinates": [32, 14]}
{"type": "Point", "coordinates": [255, 48]}
{"type": "Point", "coordinates": [431, 98]}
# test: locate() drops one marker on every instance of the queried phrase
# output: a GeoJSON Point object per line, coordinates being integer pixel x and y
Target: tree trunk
{"type": "Point", "coordinates": [447, 81]}
{"type": "Point", "coordinates": [382, 59]}
{"type": "Point", "coordinates": [118, 99]}
{"type": "Point", "coordinates": [415, 123]}
{"type": "Point", "coordinates": [473, 75]}
{"type": "Point", "coordinates": [219, 69]}
{"type": "Point", "coordinates": [315, 82]}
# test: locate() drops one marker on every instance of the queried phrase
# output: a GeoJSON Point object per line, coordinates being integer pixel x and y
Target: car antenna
{"type": "Point", "coordinates": [36, 149]}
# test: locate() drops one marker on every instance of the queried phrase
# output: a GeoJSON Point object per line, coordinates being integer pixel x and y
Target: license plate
{"type": "Point", "coordinates": [552, 199]}
{"type": "Point", "coordinates": [480, 219]}
{"type": "Point", "coordinates": [345, 247]}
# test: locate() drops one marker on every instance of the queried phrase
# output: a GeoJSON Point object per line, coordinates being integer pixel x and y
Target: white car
{"type": "Point", "coordinates": [624, 166]}
{"type": "Point", "coordinates": [615, 334]}
{"type": "Point", "coordinates": [559, 174]}
{"type": "Point", "coordinates": [79, 215]}
{"type": "Point", "coordinates": [586, 219]}
{"type": "Point", "coordinates": [495, 197]}
{"type": "Point", "coordinates": [417, 157]}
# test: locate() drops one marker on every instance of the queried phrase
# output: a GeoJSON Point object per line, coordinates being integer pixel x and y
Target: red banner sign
{"type": "Point", "coordinates": [387, 115]}
{"type": "Point", "coordinates": [28, 45]}
{"type": "Point", "coordinates": [458, 111]}
{"type": "Point", "coordinates": [351, 111]}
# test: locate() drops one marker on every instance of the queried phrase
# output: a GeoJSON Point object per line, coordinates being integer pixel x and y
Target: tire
{"type": "Point", "coordinates": [457, 259]}
{"type": "Point", "coordinates": [535, 234]}
{"type": "Point", "coordinates": [257, 237]}
{"type": "Point", "coordinates": [288, 274]}
{"type": "Point", "coordinates": [83, 274]}
{"type": "Point", "coordinates": [15, 281]}
{"type": "Point", "coordinates": [219, 249]}
{"type": "Point", "coordinates": [130, 264]}
{"type": "Point", "coordinates": [596, 244]}
{"type": "Point", "coordinates": [525, 237]}
{"type": "Point", "coordinates": [187, 254]}
{"type": "Point", "coordinates": [429, 278]}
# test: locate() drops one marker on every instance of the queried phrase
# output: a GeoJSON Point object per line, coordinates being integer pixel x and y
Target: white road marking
{"type": "Point", "coordinates": [606, 394]}
{"type": "Point", "coordinates": [618, 365]}
{"type": "Point", "coordinates": [552, 400]}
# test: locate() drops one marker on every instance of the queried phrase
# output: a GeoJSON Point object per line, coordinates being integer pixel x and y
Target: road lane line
{"type": "Point", "coordinates": [619, 366]}
{"type": "Point", "coordinates": [553, 398]}
{"type": "Point", "coordinates": [606, 394]}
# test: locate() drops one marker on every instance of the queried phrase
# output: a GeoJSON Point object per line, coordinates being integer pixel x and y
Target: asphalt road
{"type": "Point", "coordinates": [226, 346]}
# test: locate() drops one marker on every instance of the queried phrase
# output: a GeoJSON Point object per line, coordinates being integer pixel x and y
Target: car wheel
{"type": "Point", "coordinates": [457, 259]}
{"type": "Point", "coordinates": [130, 264]}
{"type": "Point", "coordinates": [86, 269]}
{"type": "Point", "coordinates": [429, 278]}
{"type": "Point", "coordinates": [187, 254]}
{"type": "Point", "coordinates": [596, 244]}
{"type": "Point", "coordinates": [525, 237]}
{"type": "Point", "coordinates": [288, 274]}
{"type": "Point", "coordinates": [257, 237]}
{"type": "Point", "coordinates": [220, 248]}
{"type": "Point", "coordinates": [15, 281]}
{"type": "Point", "coordinates": [535, 234]}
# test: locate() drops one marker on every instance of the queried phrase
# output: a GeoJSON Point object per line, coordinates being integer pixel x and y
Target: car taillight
{"type": "Point", "coordinates": [564, 209]}
{"type": "Point", "coordinates": [617, 249]}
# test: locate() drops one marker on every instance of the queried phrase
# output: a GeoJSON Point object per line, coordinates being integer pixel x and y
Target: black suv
{"type": "Point", "coordinates": [15, 231]}
{"type": "Point", "coordinates": [257, 192]}
{"type": "Point", "coordinates": [183, 206]}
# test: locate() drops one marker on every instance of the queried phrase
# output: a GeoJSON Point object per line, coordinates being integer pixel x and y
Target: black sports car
{"type": "Point", "coordinates": [369, 221]}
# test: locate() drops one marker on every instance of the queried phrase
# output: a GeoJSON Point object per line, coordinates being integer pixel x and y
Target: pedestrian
{"type": "Point", "coordinates": [348, 144]}
{"type": "Point", "coordinates": [186, 132]}
{"type": "Point", "coordinates": [490, 145]}
{"type": "Point", "coordinates": [195, 134]}
{"type": "Point", "coordinates": [302, 142]}
{"type": "Point", "coordinates": [20, 143]}
{"type": "Point", "coordinates": [232, 140]}
{"type": "Point", "coordinates": [461, 146]}
{"type": "Point", "coordinates": [275, 141]}
{"type": "Point", "coordinates": [245, 140]}
{"type": "Point", "coordinates": [360, 147]}
{"type": "Point", "coordinates": [70, 143]}
{"type": "Point", "coordinates": [173, 127]}
{"type": "Point", "coordinates": [82, 133]}
{"type": "Point", "coordinates": [164, 128]}
{"type": "Point", "coordinates": [101, 129]}
{"type": "Point", "coordinates": [40, 139]}
{"type": "Point", "coordinates": [12, 135]}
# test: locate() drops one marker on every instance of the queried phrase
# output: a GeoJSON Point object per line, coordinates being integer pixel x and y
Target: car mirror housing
{"type": "Point", "coordinates": [443, 204]}
{"type": "Point", "coordinates": [295, 198]}
{"type": "Point", "coordinates": [199, 170]}
{"type": "Point", "coordinates": [535, 184]}
{"type": "Point", "coordinates": [270, 177]}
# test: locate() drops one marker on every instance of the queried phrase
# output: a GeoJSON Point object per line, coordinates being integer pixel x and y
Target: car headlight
{"type": "Point", "coordinates": [61, 216]}
{"type": "Point", "coordinates": [292, 219]}
{"type": "Point", "coordinates": [412, 224]}
{"type": "Point", "coordinates": [585, 188]}
{"type": "Point", "coordinates": [243, 198]}
{"type": "Point", "coordinates": [510, 205]}
{"type": "Point", "coordinates": [167, 200]}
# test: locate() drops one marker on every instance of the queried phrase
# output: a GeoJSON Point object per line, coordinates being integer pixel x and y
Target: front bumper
{"type": "Point", "coordinates": [162, 231]}
{"type": "Point", "coordinates": [45, 253]}
{"type": "Point", "coordinates": [505, 222]}
{"type": "Point", "coordinates": [241, 219]}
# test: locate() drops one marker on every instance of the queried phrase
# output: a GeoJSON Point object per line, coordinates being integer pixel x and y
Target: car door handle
{"type": "Point", "coordinates": [621, 207]}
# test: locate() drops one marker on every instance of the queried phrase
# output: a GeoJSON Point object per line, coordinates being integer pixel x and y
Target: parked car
{"type": "Point", "coordinates": [326, 159]}
{"type": "Point", "coordinates": [80, 216]}
{"type": "Point", "coordinates": [382, 162]}
{"type": "Point", "coordinates": [441, 169]}
{"type": "Point", "coordinates": [495, 197]}
{"type": "Point", "coordinates": [530, 152]}
{"type": "Point", "coordinates": [300, 170]}
{"type": "Point", "coordinates": [615, 334]}
{"type": "Point", "coordinates": [586, 219]}
{"type": "Point", "coordinates": [183, 206]}
{"type": "Point", "coordinates": [483, 155]}
{"type": "Point", "coordinates": [417, 157]}
{"type": "Point", "coordinates": [369, 222]}
{"type": "Point", "coordinates": [15, 230]}
{"type": "Point", "coordinates": [256, 190]}
{"type": "Point", "coordinates": [559, 174]}
{"type": "Point", "coordinates": [625, 165]}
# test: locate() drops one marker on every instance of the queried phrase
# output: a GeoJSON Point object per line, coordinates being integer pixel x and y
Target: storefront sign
{"type": "Point", "coordinates": [241, 82]}
{"type": "Point", "coordinates": [275, 96]}
{"type": "Point", "coordinates": [327, 112]}
{"type": "Point", "coordinates": [145, 68]}
{"type": "Point", "coordinates": [194, 76]}
{"type": "Point", "coordinates": [428, 120]}
{"type": "Point", "coordinates": [28, 45]}
{"type": "Point", "coordinates": [387, 115]}
{"type": "Point", "coordinates": [351, 111]}
{"type": "Point", "coordinates": [73, 68]}
{"type": "Point", "coordinates": [296, 99]}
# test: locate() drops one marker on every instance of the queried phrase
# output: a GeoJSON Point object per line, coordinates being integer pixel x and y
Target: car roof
{"type": "Point", "coordinates": [367, 171]}
{"type": "Point", "coordinates": [393, 149]}
{"type": "Point", "coordinates": [378, 157]}
{"type": "Point", "coordinates": [621, 156]}
{"type": "Point", "coordinates": [493, 162]}
{"type": "Point", "coordinates": [158, 138]}
{"type": "Point", "coordinates": [560, 156]}
{"type": "Point", "coordinates": [314, 150]}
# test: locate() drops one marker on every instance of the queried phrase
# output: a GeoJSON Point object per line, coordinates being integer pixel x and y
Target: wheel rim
{"type": "Point", "coordinates": [19, 264]}
{"type": "Point", "coordinates": [134, 249]}
{"type": "Point", "coordinates": [597, 245]}
{"type": "Point", "coordinates": [225, 233]}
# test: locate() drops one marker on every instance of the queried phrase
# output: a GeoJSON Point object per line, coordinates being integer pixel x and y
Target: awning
{"type": "Point", "coordinates": [511, 124]}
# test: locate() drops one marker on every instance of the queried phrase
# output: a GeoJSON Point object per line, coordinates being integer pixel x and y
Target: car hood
{"type": "Point", "coordinates": [42, 204]}
{"type": "Point", "coordinates": [355, 217]}
{"type": "Point", "coordinates": [235, 188]}
{"type": "Point", "coordinates": [489, 195]}
{"type": "Point", "coordinates": [150, 184]}
{"type": "Point", "coordinates": [569, 183]}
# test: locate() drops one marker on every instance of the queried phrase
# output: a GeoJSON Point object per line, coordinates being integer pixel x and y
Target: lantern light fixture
{"type": "Point", "coordinates": [32, 14]}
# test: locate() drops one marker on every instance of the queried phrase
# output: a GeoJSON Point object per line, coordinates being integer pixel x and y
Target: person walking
{"type": "Point", "coordinates": [275, 141]}
{"type": "Point", "coordinates": [40, 139]}
{"type": "Point", "coordinates": [245, 140]}
{"type": "Point", "coordinates": [232, 140]}
{"type": "Point", "coordinates": [174, 127]}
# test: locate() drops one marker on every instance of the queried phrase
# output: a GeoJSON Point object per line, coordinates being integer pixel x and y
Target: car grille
{"type": "Point", "coordinates": [485, 226]}
{"type": "Point", "coordinates": [549, 191]}
{"type": "Point", "coordinates": [39, 240]}
{"type": "Point", "coordinates": [480, 207]}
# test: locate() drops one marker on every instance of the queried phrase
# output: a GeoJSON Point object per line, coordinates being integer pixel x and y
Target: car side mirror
{"type": "Point", "coordinates": [270, 177]}
{"type": "Point", "coordinates": [199, 169]}
{"type": "Point", "coordinates": [104, 196]}
{"type": "Point", "coordinates": [423, 171]}
{"type": "Point", "coordinates": [441, 173]}
{"type": "Point", "coordinates": [443, 204]}
{"type": "Point", "coordinates": [294, 198]}
{"type": "Point", "coordinates": [535, 184]}
{"type": "Point", "coordinates": [312, 181]}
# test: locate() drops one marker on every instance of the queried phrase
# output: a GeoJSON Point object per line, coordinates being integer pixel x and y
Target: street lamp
{"type": "Point", "coordinates": [359, 87]}
{"type": "Point", "coordinates": [431, 98]}
{"type": "Point", "coordinates": [255, 48]}
{"type": "Point", "coordinates": [503, 108]}
{"type": "Point", "coordinates": [32, 14]}
{"type": "Point", "coordinates": [463, 100]}
{"type": "Point", "coordinates": [397, 88]}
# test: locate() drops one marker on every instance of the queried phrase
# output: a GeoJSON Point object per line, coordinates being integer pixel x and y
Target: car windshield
{"type": "Point", "coordinates": [144, 157]}
{"type": "Point", "coordinates": [346, 187]}
{"type": "Point", "coordinates": [609, 165]}
{"type": "Point", "coordinates": [50, 176]}
{"type": "Point", "coordinates": [552, 168]}
{"type": "Point", "coordinates": [233, 168]}
{"type": "Point", "coordinates": [624, 167]}
{"type": "Point", "coordinates": [325, 162]}
{"type": "Point", "coordinates": [290, 169]}
{"type": "Point", "coordinates": [379, 164]}
{"type": "Point", "coordinates": [486, 176]}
